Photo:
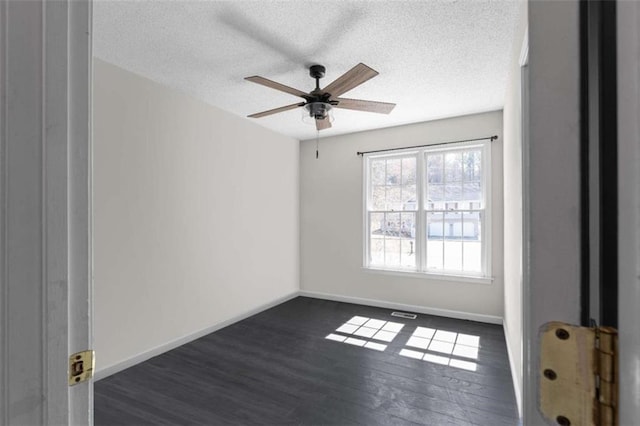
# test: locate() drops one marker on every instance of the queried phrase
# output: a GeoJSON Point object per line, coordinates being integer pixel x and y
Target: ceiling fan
{"type": "Point", "coordinates": [319, 101]}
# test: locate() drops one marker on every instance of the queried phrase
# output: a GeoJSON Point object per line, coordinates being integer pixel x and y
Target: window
{"type": "Point", "coordinates": [427, 210]}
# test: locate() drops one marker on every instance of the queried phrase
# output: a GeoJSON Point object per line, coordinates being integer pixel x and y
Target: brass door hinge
{"type": "Point", "coordinates": [81, 367]}
{"type": "Point", "coordinates": [578, 377]}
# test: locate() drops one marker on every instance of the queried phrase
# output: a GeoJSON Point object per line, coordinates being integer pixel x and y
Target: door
{"type": "Point", "coordinates": [582, 199]}
{"type": "Point", "coordinates": [45, 227]}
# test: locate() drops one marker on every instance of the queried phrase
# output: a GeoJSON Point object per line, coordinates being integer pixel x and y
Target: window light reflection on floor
{"type": "Point", "coordinates": [363, 330]}
{"type": "Point", "coordinates": [443, 347]}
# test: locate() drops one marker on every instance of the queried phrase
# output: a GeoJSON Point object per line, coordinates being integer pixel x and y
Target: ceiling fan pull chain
{"type": "Point", "coordinates": [317, 137]}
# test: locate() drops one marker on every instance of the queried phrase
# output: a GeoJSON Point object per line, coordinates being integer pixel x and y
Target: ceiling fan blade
{"type": "Point", "coordinates": [352, 78]}
{"type": "Point", "coordinates": [323, 124]}
{"type": "Point", "coordinates": [362, 105]}
{"type": "Point", "coordinates": [275, 110]}
{"type": "Point", "coordinates": [277, 86]}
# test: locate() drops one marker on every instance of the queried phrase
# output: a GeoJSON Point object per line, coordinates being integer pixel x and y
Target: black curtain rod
{"type": "Point", "coordinates": [492, 138]}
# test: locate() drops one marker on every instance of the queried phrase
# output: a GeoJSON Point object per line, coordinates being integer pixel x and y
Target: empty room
{"type": "Point", "coordinates": [318, 212]}
{"type": "Point", "coordinates": [259, 269]}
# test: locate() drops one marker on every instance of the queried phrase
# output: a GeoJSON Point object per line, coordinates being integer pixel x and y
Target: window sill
{"type": "Point", "coordinates": [427, 275]}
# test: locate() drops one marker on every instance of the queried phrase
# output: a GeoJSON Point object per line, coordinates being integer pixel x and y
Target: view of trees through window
{"type": "Point", "coordinates": [426, 210]}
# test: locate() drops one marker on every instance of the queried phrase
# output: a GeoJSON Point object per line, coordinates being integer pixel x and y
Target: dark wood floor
{"type": "Point", "coordinates": [278, 367]}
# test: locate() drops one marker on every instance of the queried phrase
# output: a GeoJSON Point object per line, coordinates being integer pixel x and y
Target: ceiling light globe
{"type": "Point", "coordinates": [317, 111]}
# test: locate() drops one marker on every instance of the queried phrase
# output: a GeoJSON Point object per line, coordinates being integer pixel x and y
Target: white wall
{"type": "Point", "coordinates": [513, 207]}
{"type": "Point", "coordinates": [331, 220]}
{"type": "Point", "coordinates": [196, 215]}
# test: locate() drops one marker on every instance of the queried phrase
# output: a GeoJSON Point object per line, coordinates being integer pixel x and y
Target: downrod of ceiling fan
{"type": "Point", "coordinates": [317, 72]}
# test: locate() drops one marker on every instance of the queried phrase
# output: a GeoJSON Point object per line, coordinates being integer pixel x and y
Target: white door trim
{"type": "Point", "coordinates": [552, 272]}
{"type": "Point", "coordinates": [523, 61]}
{"type": "Point", "coordinates": [628, 55]}
{"type": "Point", "coordinates": [80, 186]}
{"type": "Point", "coordinates": [45, 266]}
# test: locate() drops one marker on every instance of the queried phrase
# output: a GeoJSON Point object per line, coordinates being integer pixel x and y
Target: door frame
{"type": "Point", "coordinates": [628, 50]}
{"type": "Point", "coordinates": [45, 220]}
{"type": "Point", "coordinates": [552, 174]}
{"type": "Point", "coordinates": [524, 134]}
{"type": "Point", "coordinates": [556, 115]}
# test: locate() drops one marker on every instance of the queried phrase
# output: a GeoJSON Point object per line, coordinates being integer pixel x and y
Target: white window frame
{"type": "Point", "coordinates": [421, 271]}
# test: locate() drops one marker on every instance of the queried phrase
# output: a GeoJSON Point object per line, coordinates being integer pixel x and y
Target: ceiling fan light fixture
{"type": "Point", "coordinates": [317, 111]}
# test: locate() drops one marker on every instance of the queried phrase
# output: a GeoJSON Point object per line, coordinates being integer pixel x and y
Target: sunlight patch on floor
{"type": "Point", "coordinates": [363, 330]}
{"type": "Point", "coordinates": [443, 347]}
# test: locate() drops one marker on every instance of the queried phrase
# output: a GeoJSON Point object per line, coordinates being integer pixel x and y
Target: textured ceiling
{"type": "Point", "coordinates": [435, 58]}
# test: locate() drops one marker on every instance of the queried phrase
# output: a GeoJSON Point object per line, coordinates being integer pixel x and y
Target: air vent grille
{"type": "Point", "coordinates": [404, 315]}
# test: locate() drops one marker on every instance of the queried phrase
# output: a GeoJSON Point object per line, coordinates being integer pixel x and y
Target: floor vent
{"type": "Point", "coordinates": [403, 315]}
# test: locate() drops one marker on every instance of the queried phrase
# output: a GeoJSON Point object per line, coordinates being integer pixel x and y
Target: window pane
{"type": "Point", "coordinates": [392, 224]}
{"type": "Point", "coordinates": [376, 221]}
{"type": "Point", "coordinates": [467, 165]}
{"type": "Point", "coordinates": [378, 168]}
{"type": "Point", "coordinates": [452, 255]}
{"type": "Point", "coordinates": [453, 241]}
{"type": "Point", "coordinates": [392, 251]}
{"type": "Point", "coordinates": [378, 198]}
{"type": "Point", "coordinates": [477, 166]}
{"type": "Point", "coordinates": [435, 240]}
{"type": "Point", "coordinates": [453, 180]}
{"type": "Point", "coordinates": [408, 242]}
{"type": "Point", "coordinates": [376, 241]}
{"type": "Point", "coordinates": [409, 201]}
{"type": "Point", "coordinates": [409, 171]}
{"type": "Point", "coordinates": [472, 191]}
{"type": "Point", "coordinates": [393, 184]}
{"type": "Point", "coordinates": [453, 166]}
{"type": "Point", "coordinates": [435, 196]}
{"type": "Point", "coordinates": [394, 198]}
{"type": "Point", "coordinates": [376, 247]}
{"type": "Point", "coordinates": [393, 171]}
{"type": "Point", "coordinates": [452, 194]}
{"type": "Point", "coordinates": [435, 226]}
{"type": "Point", "coordinates": [472, 261]}
{"type": "Point", "coordinates": [407, 226]}
{"type": "Point", "coordinates": [435, 171]}
{"type": "Point", "coordinates": [472, 160]}
{"type": "Point", "coordinates": [408, 255]}
{"type": "Point", "coordinates": [392, 240]}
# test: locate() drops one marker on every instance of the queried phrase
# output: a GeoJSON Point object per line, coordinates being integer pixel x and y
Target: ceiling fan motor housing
{"type": "Point", "coordinates": [317, 71]}
{"type": "Point", "coordinates": [318, 110]}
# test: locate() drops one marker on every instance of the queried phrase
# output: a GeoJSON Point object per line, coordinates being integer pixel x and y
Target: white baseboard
{"type": "Point", "coordinates": [514, 377]}
{"type": "Point", "coordinates": [491, 319]}
{"type": "Point", "coordinates": [107, 371]}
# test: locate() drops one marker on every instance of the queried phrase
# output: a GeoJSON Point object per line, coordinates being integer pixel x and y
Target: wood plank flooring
{"type": "Point", "coordinates": [279, 368]}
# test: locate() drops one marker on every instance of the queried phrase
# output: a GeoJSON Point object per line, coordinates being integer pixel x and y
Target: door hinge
{"type": "Point", "coordinates": [578, 377]}
{"type": "Point", "coordinates": [81, 366]}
